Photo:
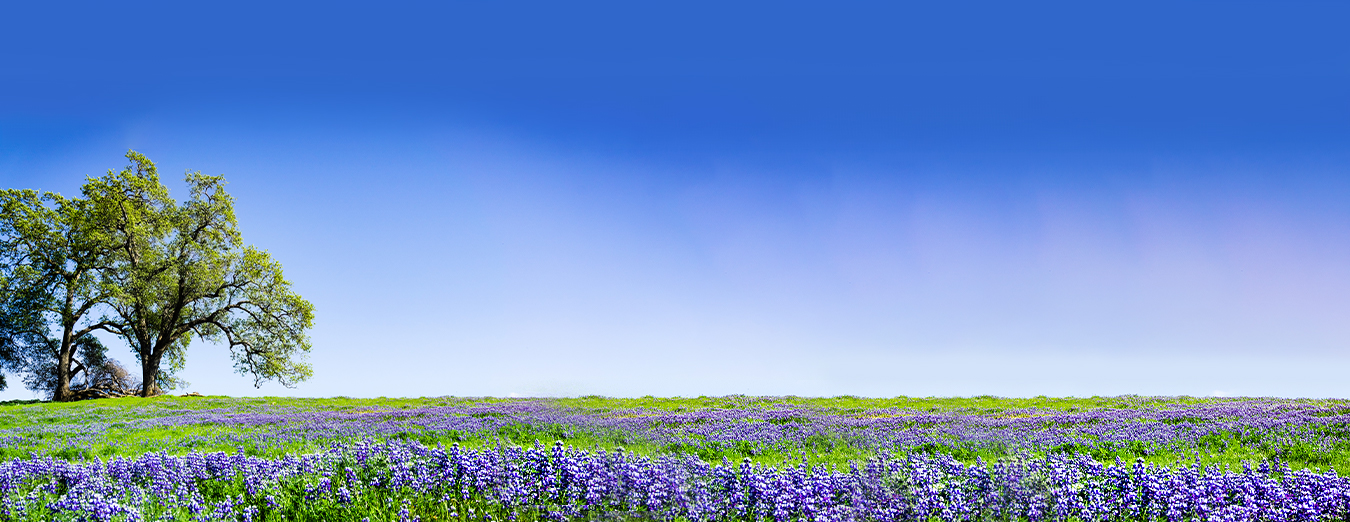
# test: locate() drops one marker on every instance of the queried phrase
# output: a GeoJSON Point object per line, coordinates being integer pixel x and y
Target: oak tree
{"type": "Point", "coordinates": [181, 271]}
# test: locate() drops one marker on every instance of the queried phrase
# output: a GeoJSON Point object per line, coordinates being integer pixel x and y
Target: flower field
{"type": "Point", "coordinates": [730, 458]}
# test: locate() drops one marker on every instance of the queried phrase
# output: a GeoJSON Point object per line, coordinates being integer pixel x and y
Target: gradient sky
{"type": "Point", "coordinates": [689, 198]}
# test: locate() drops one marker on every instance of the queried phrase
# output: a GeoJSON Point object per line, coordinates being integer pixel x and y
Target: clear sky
{"type": "Point", "coordinates": [699, 198]}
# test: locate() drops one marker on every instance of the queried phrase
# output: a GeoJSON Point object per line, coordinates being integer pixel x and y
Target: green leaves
{"type": "Point", "coordinates": [266, 329]}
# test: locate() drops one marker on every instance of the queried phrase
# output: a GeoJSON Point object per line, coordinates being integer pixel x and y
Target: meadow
{"type": "Point", "coordinates": [707, 458]}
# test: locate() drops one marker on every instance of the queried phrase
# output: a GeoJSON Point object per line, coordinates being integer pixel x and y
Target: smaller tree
{"type": "Point", "coordinates": [53, 253]}
{"type": "Point", "coordinates": [182, 272]}
{"type": "Point", "coordinates": [23, 329]}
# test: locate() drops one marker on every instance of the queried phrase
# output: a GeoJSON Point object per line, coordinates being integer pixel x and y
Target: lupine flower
{"type": "Point", "coordinates": [562, 483]}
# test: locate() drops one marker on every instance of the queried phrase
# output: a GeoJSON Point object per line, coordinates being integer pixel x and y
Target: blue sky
{"type": "Point", "coordinates": [765, 198]}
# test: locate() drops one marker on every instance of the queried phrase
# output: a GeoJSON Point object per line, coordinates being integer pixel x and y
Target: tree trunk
{"type": "Point", "coordinates": [65, 352]}
{"type": "Point", "coordinates": [62, 391]}
{"type": "Point", "coordinates": [63, 356]}
{"type": "Point", "coordinates": [149, 370]}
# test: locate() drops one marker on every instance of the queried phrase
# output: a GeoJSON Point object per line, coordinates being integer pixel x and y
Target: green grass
{"type": "Point", "coordinates": [980, 404]}
{"type": "Point", "coordinates": [104, 428]}
{"type": "Point", "coordinates": [107, 428]}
